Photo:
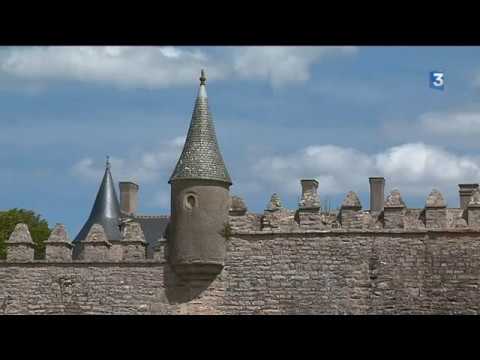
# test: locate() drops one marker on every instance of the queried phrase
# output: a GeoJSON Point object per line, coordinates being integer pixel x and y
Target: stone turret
{"type": "Point", "coordinates": [200, 198]}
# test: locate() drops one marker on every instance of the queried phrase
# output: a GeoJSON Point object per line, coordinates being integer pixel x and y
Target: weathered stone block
{"type": "Point", "coordinates": [350, 215]}
{"type": "Point", "coordinates": [20, 246]}
{"type": "Point", "coordinates": [276, 216]}
{"type": "Point", "coordinates": [237, 206]}
{"type": "Point", "coordinates": [115, 252]}
{"type": "Point", "coordinates": [393, 211]}
{"type": "Point", "coordinates": [435, 211]}
{"type": "Point", "coordinates": [58, 246]}
{"type": "Point", "coordinates": [466, 191]}
{"type": "Point", "coordinates": [133, 242]}
{"type": "Point", "coordinates": [473, 210]}
{"type": "Point", "coordinates": [160, 252]}
{"type": "Point", "coordinates": [310, 219]}
{"type": "Point", "coordinates": [95, 247]}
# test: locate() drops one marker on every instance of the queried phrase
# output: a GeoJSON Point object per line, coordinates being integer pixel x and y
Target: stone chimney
{"type": "Point", "coordinates": [310, 200]}
{"type": "Point", "coordinates": [128, 197]}
{"type": "Point", "coordinates": [377, 195]}
{"type": "Point", "coordinates": [466, 191]}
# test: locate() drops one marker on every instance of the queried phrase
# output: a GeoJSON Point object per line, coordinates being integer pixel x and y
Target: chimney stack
{"type": "Point", "coordinates": [377, 195]}
{"type": "Point", "coordinates": [310, 199]}
{"type": "Point", "coordinates": [466, 191]}
{"type": "Point", "coordinates": [128, 197]}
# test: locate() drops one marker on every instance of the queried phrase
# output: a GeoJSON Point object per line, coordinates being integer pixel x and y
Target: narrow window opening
{"type": "Point", "coordinates": [191, 201]}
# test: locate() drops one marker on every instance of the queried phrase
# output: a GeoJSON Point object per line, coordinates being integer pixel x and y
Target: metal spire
{"type": "Point", "coordinates": [105, 210]}
{"type": "Point", "coordinates": [201, 157]}
{"type": "Point", "coordinates": [203, 79]}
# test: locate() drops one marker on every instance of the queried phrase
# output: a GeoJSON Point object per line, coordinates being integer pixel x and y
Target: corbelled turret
{"type": "Point", "coordinates": [105, 210]}
{"type": "Point", "coordinates": [199, 198]}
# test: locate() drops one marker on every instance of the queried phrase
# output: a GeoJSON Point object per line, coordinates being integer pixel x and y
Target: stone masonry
{"type": "Point", "coordinates": [355, 263]}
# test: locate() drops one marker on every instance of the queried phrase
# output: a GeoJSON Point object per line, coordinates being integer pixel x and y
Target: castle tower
{"type": "Point", "coordinates": [105, 211]}
{"type": "Point", "coordinates": [199, 198]}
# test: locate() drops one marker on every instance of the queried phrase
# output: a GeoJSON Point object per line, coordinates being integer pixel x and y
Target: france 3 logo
{"type": "Point", "coordinates": [437, 80]}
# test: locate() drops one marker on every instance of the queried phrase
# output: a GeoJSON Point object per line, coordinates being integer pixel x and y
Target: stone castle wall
{"type": "Point", "coordinates": [268, 272]}
{"type": "Point", "coordinates": [394, 261]}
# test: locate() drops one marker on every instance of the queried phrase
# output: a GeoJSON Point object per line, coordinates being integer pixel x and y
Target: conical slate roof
{"type": "Point", "coordinates": [201, 157]}
{"type": "Point", "coordinates": [105, 211]}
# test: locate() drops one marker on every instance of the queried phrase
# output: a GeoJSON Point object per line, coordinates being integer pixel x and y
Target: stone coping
{"type": "Point", "coordinates": [466, 231]}
{"type": "Point", "coordinates": [70, 263]}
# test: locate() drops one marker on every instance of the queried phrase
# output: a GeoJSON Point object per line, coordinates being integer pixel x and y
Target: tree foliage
{"type": "Point", "coordinates": [38, 229]}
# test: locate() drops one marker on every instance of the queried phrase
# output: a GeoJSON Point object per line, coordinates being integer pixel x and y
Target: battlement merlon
{"type": "Point", "coordinates": [394, 215]}
{"type": "Point", "coordinates": [96, 247]}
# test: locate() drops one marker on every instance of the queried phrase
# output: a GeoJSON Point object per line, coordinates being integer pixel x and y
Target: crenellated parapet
{"type": "Point", "coordinates": [394, 215]}
{"type": "Point", "coordinates": [96, 247]}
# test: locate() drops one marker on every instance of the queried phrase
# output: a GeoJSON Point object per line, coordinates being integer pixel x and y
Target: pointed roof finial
{"type": "Point", "coordinates": [203, 78]}
{"type": "Point", "coordinates": [107, 164]}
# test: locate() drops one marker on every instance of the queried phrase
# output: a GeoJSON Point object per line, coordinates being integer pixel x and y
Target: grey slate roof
{"type": "Point", "coordinates": [201, 157]}
{"type": "Point", "coordinates": [154, 227]}
{"type": "Point", "coordinates": [105, 210]}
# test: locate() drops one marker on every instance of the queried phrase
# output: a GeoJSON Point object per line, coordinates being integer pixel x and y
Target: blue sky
{"type": "Point", "coordinates": [338, 114]}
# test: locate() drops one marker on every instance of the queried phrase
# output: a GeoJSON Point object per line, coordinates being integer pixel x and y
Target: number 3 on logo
{"type": "Point", "coordinates": [437, 80]}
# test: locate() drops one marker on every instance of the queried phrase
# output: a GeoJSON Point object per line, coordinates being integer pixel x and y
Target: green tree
{"type": "Point", "coordinates": [38, 229]}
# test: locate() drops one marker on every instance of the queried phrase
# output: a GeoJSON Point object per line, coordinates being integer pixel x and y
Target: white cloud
{"type": "Point", "coordinates": [160, 67]}
{"type": "Point", "coordinates": [150, 67]}
{"type": "Point", "coordinates": [414, 168]}
{"type": "Point", "coordinates": [143, 168]}
{"type": "Point", "coordinates": [280, 64]}
{"type": "Point", "coordinates": [453, 123]}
